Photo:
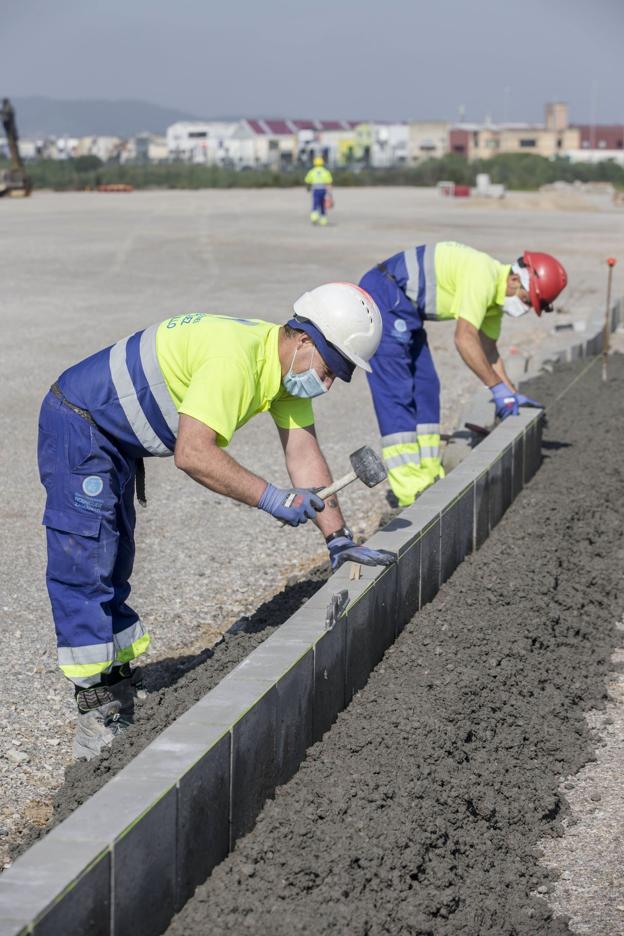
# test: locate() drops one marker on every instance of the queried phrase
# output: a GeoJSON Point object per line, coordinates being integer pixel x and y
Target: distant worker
{"type": "Point", "coordinates": [319, 180]}
{"type": "Point", "coordinates": [444, 281]}
{"type": "Point", "coordinates": [180, 388]}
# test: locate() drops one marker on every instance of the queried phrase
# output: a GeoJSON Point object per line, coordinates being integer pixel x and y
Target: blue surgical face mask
{"type": "Point", "coordinates": [307, 384]}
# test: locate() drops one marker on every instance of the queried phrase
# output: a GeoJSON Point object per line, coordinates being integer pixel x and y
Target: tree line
{"type": "Point", "coordinates": [522, 171]}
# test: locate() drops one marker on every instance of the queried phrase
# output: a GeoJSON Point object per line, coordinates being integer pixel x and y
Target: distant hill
{"type": "Point", "coordinates": [40, 116]}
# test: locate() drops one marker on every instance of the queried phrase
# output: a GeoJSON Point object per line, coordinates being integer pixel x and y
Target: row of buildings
{"type": "Point", "coordinates": [253, 143]}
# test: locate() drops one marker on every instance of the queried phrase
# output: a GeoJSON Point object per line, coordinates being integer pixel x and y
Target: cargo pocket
{"type": "Point", "coordinates": [66, 521]}
{"type": "Point", "coordinates": [77, 559]}
{"type": "Point", "coordinates": [79, 442]}
{"type": "Point", "coordinates": [46, 456]}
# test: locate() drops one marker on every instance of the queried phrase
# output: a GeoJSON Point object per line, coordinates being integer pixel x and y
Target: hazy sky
{"type": "Point", "coordinates": [396, 59]}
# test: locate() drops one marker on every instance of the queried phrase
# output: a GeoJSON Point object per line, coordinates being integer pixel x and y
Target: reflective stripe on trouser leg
{"type": "Point", "coordinates": [405, 473]}
{"type": "Point", "coordinates": [429, 443]}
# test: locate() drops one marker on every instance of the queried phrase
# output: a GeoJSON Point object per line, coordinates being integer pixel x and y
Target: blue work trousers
{"type": "Point", "coordinates": [406, 392]}
{"type": "Point", "coordinates": [89, 518]}
{"type": "Point", "coordinates": [318, 200]}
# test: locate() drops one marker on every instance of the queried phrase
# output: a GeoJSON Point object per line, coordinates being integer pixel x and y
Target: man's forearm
{"type": "Point", "coordinates": [307, 468]}
{"type": "Point", "coordinates": [219, 472]}
{"type": "Point", "coordinates": [499, 367]}
{"type": "Point", "coordinates": [468, 343]}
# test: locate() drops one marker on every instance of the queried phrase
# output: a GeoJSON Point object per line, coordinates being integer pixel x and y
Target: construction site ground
{"type": "Point", "coordinates": [82, 270]}
{"type": "Point", "coordinates": [422, 810]}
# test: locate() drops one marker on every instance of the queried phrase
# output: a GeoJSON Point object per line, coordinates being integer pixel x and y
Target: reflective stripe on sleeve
{"type": "Point", "coordinates": [429, 451]}
{"type": "Point", "coordinates": [129, 401]}
{"type": "Point", "coordinates": [413, 274]}
{"type": "Point", "coordinates": [430, 280]}
{"type": "Point", "coordinates": [428, 429]}
{"type": "Point", "coordinates": [155, 378]}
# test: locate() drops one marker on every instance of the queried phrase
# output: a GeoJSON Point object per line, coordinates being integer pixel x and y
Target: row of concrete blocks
{"type": "Point", "coordinates": [132, 855]}
{"type": "Point", "coordinates": [480, 409]}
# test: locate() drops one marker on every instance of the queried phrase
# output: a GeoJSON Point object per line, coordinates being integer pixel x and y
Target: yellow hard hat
{"type": "Point", "coordinates": [319, 161]}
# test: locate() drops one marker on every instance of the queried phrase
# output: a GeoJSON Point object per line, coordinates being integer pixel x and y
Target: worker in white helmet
{"type": "Point", "coordinates": [181, 388]}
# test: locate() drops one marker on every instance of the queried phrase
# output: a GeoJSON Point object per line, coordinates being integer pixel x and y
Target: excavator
{"type": "Point", "coordinates": [13, 181]}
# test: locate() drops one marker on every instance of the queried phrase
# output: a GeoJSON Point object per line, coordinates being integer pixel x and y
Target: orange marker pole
{"type": "Point", "coordinates": [607, 325]}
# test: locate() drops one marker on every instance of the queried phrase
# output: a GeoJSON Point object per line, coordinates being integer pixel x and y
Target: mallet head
{"type": "Point", "coordinates": [368, 466]}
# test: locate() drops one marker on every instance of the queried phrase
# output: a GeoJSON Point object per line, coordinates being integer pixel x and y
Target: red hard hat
{"type": "Point", "coordinates": [547, 278]}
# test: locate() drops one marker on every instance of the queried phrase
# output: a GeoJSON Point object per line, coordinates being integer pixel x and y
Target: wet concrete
{"type": "Point", "coordinates": [420, 811]}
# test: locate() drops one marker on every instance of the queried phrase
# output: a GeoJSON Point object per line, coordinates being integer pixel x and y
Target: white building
{"type": "Point", "coordinates": [390, 145]}
{"type": "Point", "coordinates": [149, 147]}
{"type": "Point", "coordinates": [202, 142]}
{"type": "Point", "coordinates": [595, 155]}
{"type": "Point", "coordinates": [428, 139]}
{"type": "Point", "coordinates": [104, 147]}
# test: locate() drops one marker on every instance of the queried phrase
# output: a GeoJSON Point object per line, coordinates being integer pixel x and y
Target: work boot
{"type": "Point", "coordinates": [99, 721]}
{"type": "Point", "coordinates": [323, 221]}
{"type": "Point", "coordinates": [126, 686]}
{"type": "Point", "coordinates": [314, 216]}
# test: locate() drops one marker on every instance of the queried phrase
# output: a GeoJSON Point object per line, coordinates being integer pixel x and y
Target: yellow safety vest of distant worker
{"type": "Point", "coordinates": [319, 181]}
{"type": "Point", "coordinates": [439, 282]}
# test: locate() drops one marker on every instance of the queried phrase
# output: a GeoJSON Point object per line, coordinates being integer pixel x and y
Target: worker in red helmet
{"type": "Point", "coordinates": [542, 277]}
{"type": "Point", "coordinates": [442, 281]}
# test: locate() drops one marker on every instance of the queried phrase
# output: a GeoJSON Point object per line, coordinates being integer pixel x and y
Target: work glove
{"type": "Point", "coordinates": [527, 401]}
{"type": "Point", "coordinates": [505, 400]}
{"type": "Point", "coordinates": [291, 505]}
{"type": "Point", "coordinates": [343, 549]}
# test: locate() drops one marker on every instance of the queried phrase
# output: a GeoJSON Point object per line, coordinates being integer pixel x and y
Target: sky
{"type": "Point", "coordinates": [397, 59]}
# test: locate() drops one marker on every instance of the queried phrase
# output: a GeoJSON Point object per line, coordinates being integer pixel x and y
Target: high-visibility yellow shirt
{"type": "Point", "coordinates": [222, 371]}
{"type": "Point", "coordinates": [470, 285]}
{"type": "Point", "coordinates": [319, 176]}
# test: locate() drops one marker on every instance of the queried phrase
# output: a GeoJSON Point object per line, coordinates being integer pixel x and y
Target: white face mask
{"type": "Point", "coordinates": [514, 306]}
{"type": "Point", "coordinates": [305, 384]}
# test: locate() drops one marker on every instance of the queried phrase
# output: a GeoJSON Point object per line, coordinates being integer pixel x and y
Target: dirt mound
{"type": "Point", "coordinates": [420, 810]}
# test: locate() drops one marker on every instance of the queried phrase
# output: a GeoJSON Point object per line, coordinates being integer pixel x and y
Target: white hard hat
{"type": "Point", "coordinates": [346, 316]}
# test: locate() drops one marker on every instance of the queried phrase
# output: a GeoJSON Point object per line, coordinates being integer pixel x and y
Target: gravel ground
{"type": "Point", "coordinates": [80, 271]}
{"type": "Point", "coordinates": [420, 811]}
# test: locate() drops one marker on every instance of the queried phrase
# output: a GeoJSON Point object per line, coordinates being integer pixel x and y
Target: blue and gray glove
{"type": "Point", "coordinates": [505, 400]}
{"type": "Point", "coordinates": [527, 401]}
{"type": "Point", "coordinates": [343, 549]}
{"type": "Point", "coordinates": [292, 505]}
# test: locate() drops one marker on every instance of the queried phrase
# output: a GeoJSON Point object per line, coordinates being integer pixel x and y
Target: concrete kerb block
{"type": "Point", "coordinates": [428, 517]}
{"type": "Point", "coordinates": [254, 772]}
{"type": "Point", "coordinates": [144, 865]}
{"type": "Point", "coordinates": [295, 716]}
{"type": "Point", "coordinates": [203, 816]}
{"type": "Point", "coordinates": [288, 663]}
{"type": "Point", "coordinates": [408, 582]}
{"type": "Point", "coordinates": [10, 926]}
{"type": "Point", "coordinates": [53, 877]}
{"type": "Point", "coordinates": [329, 677]}
{"type": "Point", "coordinates": [371, 629]}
